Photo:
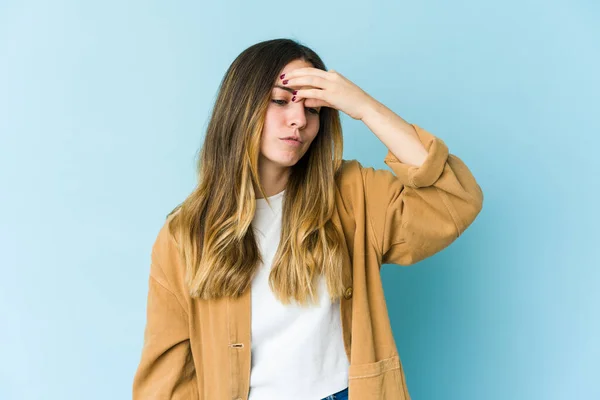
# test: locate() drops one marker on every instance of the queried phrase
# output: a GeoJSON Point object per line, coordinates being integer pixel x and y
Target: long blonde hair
{"type": "Point", "coordinates": [212, 226]}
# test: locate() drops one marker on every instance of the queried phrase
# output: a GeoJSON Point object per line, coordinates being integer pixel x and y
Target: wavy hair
{"type": "Point", "coordinates": [212, 226]}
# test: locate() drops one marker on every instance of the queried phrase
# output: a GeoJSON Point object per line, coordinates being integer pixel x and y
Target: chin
{"type": "Point", "coordinates": [287, 162]}
{"type": "Point", "coordinates": [283, 160]}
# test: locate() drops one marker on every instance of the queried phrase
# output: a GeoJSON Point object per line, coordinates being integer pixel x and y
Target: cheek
{"type": "Point", "coordinates": [273, 123]}
{"type": "Point", "coordinates": [314, 128]}
{"type": "Point", "coordinates": [269, 127]}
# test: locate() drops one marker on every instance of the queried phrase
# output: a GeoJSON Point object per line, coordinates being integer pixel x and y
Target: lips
{"type": "Point", "coordinates": [292, 138]}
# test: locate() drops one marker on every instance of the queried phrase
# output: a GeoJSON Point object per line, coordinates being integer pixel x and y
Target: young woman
{"type": "Point", "coordinates": [265, 282]}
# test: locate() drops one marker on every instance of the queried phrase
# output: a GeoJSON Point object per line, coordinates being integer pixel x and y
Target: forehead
{"type": "Point", "coordinates": [288, 68]}
{"type": "Point", "coordinates": [295, 64]}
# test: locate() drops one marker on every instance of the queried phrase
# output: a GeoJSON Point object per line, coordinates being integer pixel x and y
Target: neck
{"type": "Point", "coordinates": [273, 179]}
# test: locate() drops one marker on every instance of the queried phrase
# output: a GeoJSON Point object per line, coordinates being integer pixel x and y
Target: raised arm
{"type": "Point", "coordinates": [416, 211]}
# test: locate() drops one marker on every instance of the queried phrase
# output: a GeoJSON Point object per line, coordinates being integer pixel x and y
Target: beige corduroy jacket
{"type": "Point", "coordinates": [198, 349]}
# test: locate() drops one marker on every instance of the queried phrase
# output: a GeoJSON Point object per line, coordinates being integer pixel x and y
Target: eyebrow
{"type": "Point", "coordinates": [285, 88]}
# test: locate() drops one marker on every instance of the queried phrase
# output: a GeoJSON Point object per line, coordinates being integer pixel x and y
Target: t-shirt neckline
{"type": "Point", "coordinates": [262, 203]}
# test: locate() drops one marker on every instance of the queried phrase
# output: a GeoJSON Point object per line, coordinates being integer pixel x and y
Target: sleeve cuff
{"type": "Point", "coordinates": [431, 169]}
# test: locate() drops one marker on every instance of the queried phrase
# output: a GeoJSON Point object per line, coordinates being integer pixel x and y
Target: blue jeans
{"type": "Point", "coordinates": [342, 395]}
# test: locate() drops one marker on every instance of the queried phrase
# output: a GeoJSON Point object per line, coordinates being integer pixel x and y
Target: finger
{"type": "Point", "coordinates": [313, 81]}
{"type": "Point", "coordinates": [317, 94]}
{"type": "Point", "coordinates": [318, 104]}
{"type": "Point", "coordinates": [307, 71]}
{"type": "Point", "coordinates": [315, 99]}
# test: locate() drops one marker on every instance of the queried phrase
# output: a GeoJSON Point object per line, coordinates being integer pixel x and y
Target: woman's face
{"type": "Point", "coordinates": [284, 119]}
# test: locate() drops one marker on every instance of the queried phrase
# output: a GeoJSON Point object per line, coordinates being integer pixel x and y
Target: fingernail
{"type": "Point", "coordinates": [285, 82]}
{"type": "Point", "coordinates": [294, 98]}
{"type": "Point", "coordinates": [281, 76]}
{"type": "Point", "coordinates": [295, 92]}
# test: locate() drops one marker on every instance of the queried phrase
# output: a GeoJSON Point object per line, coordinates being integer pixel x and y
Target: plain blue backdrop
{"type": "Point", "coordinates": [103, 107]}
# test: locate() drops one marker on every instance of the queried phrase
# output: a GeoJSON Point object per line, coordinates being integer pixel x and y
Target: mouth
{"type": "Point", "coordinates": [291, 138]}
{"type": "Point", "coordinates": [291, 142]}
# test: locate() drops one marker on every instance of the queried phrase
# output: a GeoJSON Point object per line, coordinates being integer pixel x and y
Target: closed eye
{"type": "Point", "coordinates": [283, 102]}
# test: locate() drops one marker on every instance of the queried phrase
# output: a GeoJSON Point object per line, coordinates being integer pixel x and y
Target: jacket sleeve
{"type": "Point", "coordinates": [166, 369]}
{"type": "Point", "coordinates": [415, 212]}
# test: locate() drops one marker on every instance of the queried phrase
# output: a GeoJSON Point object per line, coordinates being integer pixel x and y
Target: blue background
{"type": "Point", "coordinates": [103, 107]}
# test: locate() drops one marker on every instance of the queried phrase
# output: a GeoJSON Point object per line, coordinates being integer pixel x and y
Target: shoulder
{"type": "Point", "coordinates": [166, 265]}
{"type": "Point", "coordinates": [355, 180]}
{"type": "Point", "coordinates": [349, 174]}
{"type": "Point", "coordinates": [350, 188]}
{"type": "Point", "coordinates": [165, 241]}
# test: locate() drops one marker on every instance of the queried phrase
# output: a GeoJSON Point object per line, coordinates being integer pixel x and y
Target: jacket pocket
{"type": "Point", "coordinates": [381, 380]}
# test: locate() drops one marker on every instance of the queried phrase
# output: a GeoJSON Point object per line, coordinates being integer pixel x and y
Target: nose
{"type": "Point", "coordinates": [297, 115]}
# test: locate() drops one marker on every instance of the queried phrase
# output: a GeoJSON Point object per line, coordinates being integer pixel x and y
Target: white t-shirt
{"type": "Point", "coordinates": [297, 352]}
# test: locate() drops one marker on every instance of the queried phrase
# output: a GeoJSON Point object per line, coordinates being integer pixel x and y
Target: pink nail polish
{"type": "Point", "coordinates": [295, 92]}
{"type": "Point", "coordinates": [285, 82]}
{"type": "Point", "coordinates": [294, 98]}
{"type": "Point", "coordinates": [281, 76]}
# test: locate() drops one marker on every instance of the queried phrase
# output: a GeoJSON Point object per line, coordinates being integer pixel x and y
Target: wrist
{"type": "Point", "coordinates": [371, 109]}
